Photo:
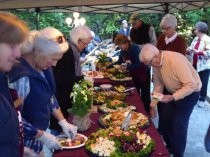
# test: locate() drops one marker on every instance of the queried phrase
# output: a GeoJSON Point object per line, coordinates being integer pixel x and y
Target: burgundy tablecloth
{"type": "Point", "coordinates": [134, 99]}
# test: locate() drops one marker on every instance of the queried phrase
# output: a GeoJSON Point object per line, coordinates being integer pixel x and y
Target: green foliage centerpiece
{"type": "Point", "coordinates": [82, 103]}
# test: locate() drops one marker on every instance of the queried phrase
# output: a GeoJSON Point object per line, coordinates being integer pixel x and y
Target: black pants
{"type": "Point", "coordinates": [160, 108]}
{"type": "Point", "coordinates": [144, 90]}
{"type": "Point", "coordinates": [204, 76]}
{"type": "Point", "coordinates": [176, 116]}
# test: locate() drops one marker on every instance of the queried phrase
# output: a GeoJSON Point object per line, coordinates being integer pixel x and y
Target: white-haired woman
{"type": "Point", "coordinates": [169, 40]}
{"type": "Point", "coordinates": [33, 79]}
{"type": "Point", "coordinates": [68, 70]}
{"type": "Point", "coordinates": [200, 48]}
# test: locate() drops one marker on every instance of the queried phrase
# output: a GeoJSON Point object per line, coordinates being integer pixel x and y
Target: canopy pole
{"type": "Point", "coordinates": [37, 10]}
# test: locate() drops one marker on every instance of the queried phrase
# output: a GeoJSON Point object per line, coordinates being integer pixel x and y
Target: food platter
{"type": "Point", "coordinates": [120, 88]}
{"type": "Point", "coordinates": [115, 142]}
{"type": "Point", "coordinates": [113, 78]}
{"type": "Point", "coordinates": [107, 108]}
{"type": "Point", "coordinates": [101, 97]}
{"type": "Point", "coordinates": [93, 74]}
{"type": "Point", "coordinates": [114, 119]}
{"type": "Point", "coordinates": [67, 143]}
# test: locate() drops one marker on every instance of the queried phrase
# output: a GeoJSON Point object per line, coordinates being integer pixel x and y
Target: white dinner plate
{"type": "Point", "coordinates": [60, 138]}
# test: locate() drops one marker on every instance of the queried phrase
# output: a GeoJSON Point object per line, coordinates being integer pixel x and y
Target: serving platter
{"type": "Point", "coordinates": [115, 119]}
{"type": "Point", "coordinates": [113, 141]}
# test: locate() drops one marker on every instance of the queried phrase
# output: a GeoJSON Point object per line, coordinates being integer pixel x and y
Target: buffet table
{"type": "Point", "coordinates": [134, 99]}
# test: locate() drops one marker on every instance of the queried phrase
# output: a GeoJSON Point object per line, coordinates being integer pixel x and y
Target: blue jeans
{"type": "Point", "coordinates": [207, 140]}
{"type": "Point", "coordinates": [176, 116]}
{"type": "Point", "coordinates": [204, 76]}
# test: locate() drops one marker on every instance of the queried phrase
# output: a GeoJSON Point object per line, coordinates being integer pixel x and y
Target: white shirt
{"type": "Point", "coordinates": [168, 40]}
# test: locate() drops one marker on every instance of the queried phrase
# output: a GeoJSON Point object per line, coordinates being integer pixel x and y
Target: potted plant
{"type": "Point", "coordinates": [82, 103]}
{"type": "Point", "coordinates": [103, 60]}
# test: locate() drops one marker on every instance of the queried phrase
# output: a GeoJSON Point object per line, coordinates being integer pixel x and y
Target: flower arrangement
{"type": "Point", "coordinates": [102, 57]}
{"type": "Point", "coordinates": [82, 98]}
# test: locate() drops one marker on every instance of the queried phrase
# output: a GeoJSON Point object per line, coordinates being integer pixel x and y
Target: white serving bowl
{"type": "Point", "coordinates": [105, 86]}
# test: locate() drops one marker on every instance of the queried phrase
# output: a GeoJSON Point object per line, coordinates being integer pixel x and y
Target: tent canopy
{"type": "Point", "coordinates": [106, 6]}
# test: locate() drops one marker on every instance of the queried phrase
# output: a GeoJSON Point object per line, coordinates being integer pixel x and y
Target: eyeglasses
{"type": "Point", "coordinates": [60, 39]}
{"type": "Point", "coordinates": [84, 43]}
{"type": "Point", "coordinates": [165, 28]}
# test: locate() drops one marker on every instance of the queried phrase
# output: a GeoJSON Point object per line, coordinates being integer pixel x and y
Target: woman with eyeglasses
{"type": "Point", "coordinates": [13, 31]}
{"type": "Point", "coordinates": [33, 79]}
{"type": "Point", "coordinates": [68, 71]}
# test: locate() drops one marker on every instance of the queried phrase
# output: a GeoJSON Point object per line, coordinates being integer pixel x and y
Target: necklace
{"type": "Point", "coordinates": [161, 60]}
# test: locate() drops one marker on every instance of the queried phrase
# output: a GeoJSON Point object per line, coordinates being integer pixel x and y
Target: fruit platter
{"type": "Point", "coordinates": [113, 105]}
{"type": "Point", "coordinates": [115, 142]}
{"type": "Point", "coordinates": [114, 119]}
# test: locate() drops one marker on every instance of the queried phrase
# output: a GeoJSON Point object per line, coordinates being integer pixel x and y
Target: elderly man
{"type": "Point", "coordinates": [141, 33]}
{"type": "Point", "coordinates": [169, 40]}
{"type": "Point", "coordinates": [176, 73]}
{"type": "Point", "coordinates": [68, 70]}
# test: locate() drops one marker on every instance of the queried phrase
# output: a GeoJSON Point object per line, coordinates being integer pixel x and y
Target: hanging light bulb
{"type": "Point", "coordinates": [76, 15]}
{"type": "Point", "coordinates": [68, 21]}
{"type": "Point", "coordinates": [82, 21]}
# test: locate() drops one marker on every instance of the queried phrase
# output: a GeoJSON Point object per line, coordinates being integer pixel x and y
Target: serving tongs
{"type": "Point", "coordinates": [126, 121]}
{"type": "Point", "coordinates": [129, 89]}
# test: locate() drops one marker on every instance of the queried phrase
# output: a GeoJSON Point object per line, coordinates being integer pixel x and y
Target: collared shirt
{"type": "Point", "coordinates": [168, 40]}
{"type": "Point", "coordinates": [177, 75]}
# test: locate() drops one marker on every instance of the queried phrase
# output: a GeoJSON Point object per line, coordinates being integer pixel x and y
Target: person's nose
{"type": "Point", "coordinates": [17, 53]}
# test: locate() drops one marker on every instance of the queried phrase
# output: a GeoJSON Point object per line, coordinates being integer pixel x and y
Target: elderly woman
{"type": "Point", "coordinates": [176, 73]}
{"type": "Point", "coordinates": [13, 31]}
{"type": "Point", "coordinates": [139, 72]}
{"type": "Point", "coordinates": [200, 49]}
{"type": "Point", "coordinates": [33, 79]}
{"type": "Point", "coordinates": [170, 40]}
{"type": "Point", "coordinates": [68, 70]}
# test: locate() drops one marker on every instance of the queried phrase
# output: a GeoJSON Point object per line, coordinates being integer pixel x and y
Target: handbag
{"type": "Point", "coordinates": [207, 140]}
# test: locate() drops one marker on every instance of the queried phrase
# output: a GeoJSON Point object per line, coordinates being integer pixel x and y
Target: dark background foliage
{"type": "Point", "coordinates": [105, 25]}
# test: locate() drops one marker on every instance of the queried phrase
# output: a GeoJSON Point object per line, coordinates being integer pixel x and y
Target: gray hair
{"type": "Point", "coordinates": [202, 27]}
{"type": "Point", "coordinates": [45, 41]}
{"type": "Point", "coordinates": [147, 53]}
{"type": "Point", "coordinates": [169, 21]}
{"type": "Point", "coordinates": [80, 32]}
